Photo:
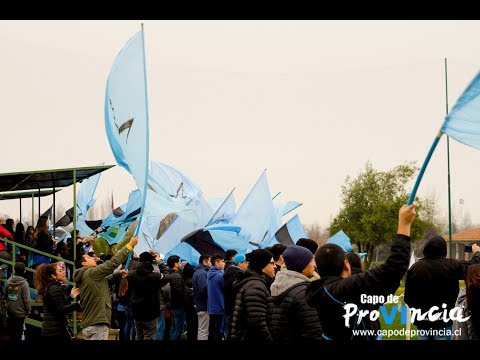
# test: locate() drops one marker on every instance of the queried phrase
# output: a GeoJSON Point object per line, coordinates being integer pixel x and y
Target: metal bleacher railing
{"type": "Point", "coordinates": [35, 251]}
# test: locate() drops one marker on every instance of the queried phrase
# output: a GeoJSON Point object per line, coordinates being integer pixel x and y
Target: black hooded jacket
{"type": "Point", "coordinates": [380, 280]}
{"type": "Point", "coordinates": [433, 280]}
{"type": "Point", "coordinates": [145, 285]}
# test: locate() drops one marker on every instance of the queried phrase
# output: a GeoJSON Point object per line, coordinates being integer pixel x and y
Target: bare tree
{"type": "Point", "coordinates": [315, 232]}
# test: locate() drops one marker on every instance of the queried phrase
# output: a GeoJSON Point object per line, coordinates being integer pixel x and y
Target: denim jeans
{"type": "Point", "coordinates": [129, 330]}
{"type": "Point", "coordinates": [161, 325]}
{"type": "Point", "coordinates": [178, 322]}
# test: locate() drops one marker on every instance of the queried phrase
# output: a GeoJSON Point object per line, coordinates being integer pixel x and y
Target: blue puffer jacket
{"type": "Point", "coordinates": [216, 304]}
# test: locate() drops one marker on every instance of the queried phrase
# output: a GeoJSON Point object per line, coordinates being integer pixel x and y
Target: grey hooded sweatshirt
{"type": "Point", "coordinates": [18, 297]}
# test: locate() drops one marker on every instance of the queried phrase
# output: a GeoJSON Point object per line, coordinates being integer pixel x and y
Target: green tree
{"type": "Point", "coordinates": [370, 204]}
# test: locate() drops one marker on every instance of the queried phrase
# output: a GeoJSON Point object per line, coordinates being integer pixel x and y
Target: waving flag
{"type": "Point", "coordinates": [256, 215]}
{"type": "Point", "coordinates": [85, 194]}
{"type": "Point", "coordinates": [126, 113]}
{"type": "Point", "coordinates": [342, 240]}
{"type": "Point", "coordinates": [462, 124]}
{"type": "Point", "coordinates": [225, 211]}
{"type": "Point", "coordinates": [288, 234]}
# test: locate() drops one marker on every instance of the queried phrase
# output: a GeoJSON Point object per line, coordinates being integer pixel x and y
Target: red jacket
{"type": "Point", "coordinates": [4, 233]}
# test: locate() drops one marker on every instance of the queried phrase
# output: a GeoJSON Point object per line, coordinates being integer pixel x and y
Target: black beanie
{"type": "Point", "coordinates": [146, 256]}
{"type": "Point", "coordinates": [297, 258]}
{"type": "Point", "coordinates": [309, 244]}
{"type": "Point", "coordinates": [259, 259]}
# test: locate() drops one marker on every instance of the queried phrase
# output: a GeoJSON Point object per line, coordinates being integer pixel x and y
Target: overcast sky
{"type": "Point", "coordinates": [310, 101]}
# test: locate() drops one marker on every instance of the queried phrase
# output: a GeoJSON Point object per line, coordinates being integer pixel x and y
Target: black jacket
{"type": "Point", "coordinates": [229, 293]}
{"type": "Point", "coordinates": [433, 280]}
{"type": "Point", "coordinates": [55, 307]}
{"type": "Point", "coordinates": [177, 290]}
{"type": "Point", "coordinates": [381, 280]}
{"type": "Point", "coordinates": [253, 308]}
{"type": "Point", "coordinates": [145, 285]}
{"type": "Point", "coordinates": [293, 320]}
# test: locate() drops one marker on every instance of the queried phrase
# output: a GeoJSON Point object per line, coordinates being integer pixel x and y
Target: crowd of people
{"type": "Point", "coordinates": [280, 294]}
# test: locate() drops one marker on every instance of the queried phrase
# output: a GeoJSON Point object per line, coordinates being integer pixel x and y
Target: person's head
{"type": "Point", "coordinates": [187, 272]}
{"type": "Point", "coordinates": [19, 268]}
{"type": "Point", "coordinates": [85, 260]}
{"type": "Point", "coordinates": [472, 283]}
{"type": "Point", "coordinates": [277, 251]}
{"type": "Point", "coordinates": [29, 230]}
{"type": "Point", "coordinates": [173, 262]}
{"type": "Point", "coordinates": [261, 261]}
{"type": "Point", "coordinates": [205, 260]}
{"type": "Point", "coordinates": [355, 262]}
{"type": "Point", "coordinates": [309, 244]}
{"type": "Point", "coordinates": [19, 228]}
{"type": "Point", "coordinates": [230, 254]}
{"type": "Point", "coordinates": [331, 260]}
{"type": "Point", "coordinates": [435, 247]}
{"type": "Point", "coordinates": [46, 274]}
{"type": "Point", "coordinates": [146, 257]}
{"type": "Point", "coordinates": [42, 225]}
{"type": "Point", "coordinates": [62, 250]}
{"type": "Point", "coordinates": [218, 261]}
{"type": "Point", "coordinates": [299, 259]}
{"type": "Point", "coordinates": [241, 262]}
{"type": "Point", "coordinates": [9, 224]}
{"type": "Point", "coordinates": [156, 255]}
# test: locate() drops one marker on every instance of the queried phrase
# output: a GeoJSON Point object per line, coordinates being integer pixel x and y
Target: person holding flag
{"type": "Point", "coordinates": [95, 297]}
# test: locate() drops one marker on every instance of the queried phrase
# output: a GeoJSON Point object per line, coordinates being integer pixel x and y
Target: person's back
{"type": "Point", "coordinates": [337, 286]}
{"type": "Point", "coordinates": [433, 281]}
{"type": "Point", "coordinates": [18, 301]}
{"type": "Point", "coordinates": [472, 283]}
{"type": "Point", "coordinates": [293, 320]}
{"type": "Point", "coordinates": [145, 285]}
{"type": "Point", "coordinates": [95, 293]}
{"type": "Point", "coordinates": [253, 303]}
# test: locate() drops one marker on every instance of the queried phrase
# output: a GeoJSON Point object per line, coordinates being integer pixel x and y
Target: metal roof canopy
{"type": "Point", "coordinates": [43, 179]}
{"type": "Point", "coordinates": [26, 194]}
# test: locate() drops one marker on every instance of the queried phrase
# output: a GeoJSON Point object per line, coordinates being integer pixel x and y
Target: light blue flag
{"type": "Point", "coordinates": [85, 194]}
{"type": "Point", "coordinates": [462, 124]}
{"type": "Point", "coordinates": [116, 233]}
{"type": "Point", "coordinates": [134, 203]}
{"type": "Point", "coordinates": [282, 208]}
{"type": "Point", "coordinates": [229, 238]}
{"type": "Point", "coordinates": [177, 185]}
{"type": "Point", "coordinates": [126, 112]}
{"type": "Point", "coordinates": [82, 226]}
{"type": "Point", "coordinates": [174, 233]}
{"type": "Point", "coordinates": [463, 121]}
{"type": "Point", "coordinates": [342, 240]}
{"type": "Point", "coordinates": [288, 234]}
{"type": "Point", "coordinates": [256, 215]}
{"type": "Point", "coordinates": [225, 210]}
{"type": "Point", "coordinates": [186, 252]}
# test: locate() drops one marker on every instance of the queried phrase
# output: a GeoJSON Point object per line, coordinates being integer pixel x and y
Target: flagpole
{"type": "Point", "coordinates": [289, 211]}
{"type": "Point", "coordinates": [213, 216]}
{"type": "Point", "coordinates": [448, 166]}
{"type": "Point", "coordinates": [137, 230]}
{"type": "Point", "coordinates": [424, 166]}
